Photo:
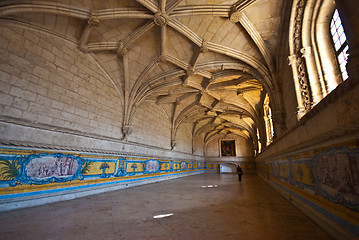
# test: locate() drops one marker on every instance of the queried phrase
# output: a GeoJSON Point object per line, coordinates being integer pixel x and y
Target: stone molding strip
{"type": "Point", "coordinates": [213, 10]}
{"type": "Point", "coordinates": [37, 6]}
{"type": "Point", "coordinates": [55, 129]}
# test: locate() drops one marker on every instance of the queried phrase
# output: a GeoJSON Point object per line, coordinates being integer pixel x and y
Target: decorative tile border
{"type": "Point", "coordinates": [333, 174]}
{"type": "Point", "coordinates": [345, 220]}
{"type": "Point", "coordinates": [25, 172]}
{"type": "Point", "coordinates": [325, 178]}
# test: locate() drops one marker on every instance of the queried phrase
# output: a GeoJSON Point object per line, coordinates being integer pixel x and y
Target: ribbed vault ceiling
{"type": "Point", "coordinates": [207, 62]}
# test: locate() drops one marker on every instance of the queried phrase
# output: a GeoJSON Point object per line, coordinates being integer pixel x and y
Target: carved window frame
{"type": "Point", "coordinates": [267, 111]}
{"type": "Point", "coordinates": [312, 55]}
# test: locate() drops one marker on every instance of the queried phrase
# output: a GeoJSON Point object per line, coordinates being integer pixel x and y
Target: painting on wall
{"type": "Point", "coordinates": [337, 176]}
{"type": "Point", "coordinates": [228, 148]}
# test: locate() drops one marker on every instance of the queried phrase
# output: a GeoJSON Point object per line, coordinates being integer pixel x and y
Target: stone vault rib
{"type": "Point", "coordinates": [172, 5]}
{"type": "Point", "coordinates": [33, 27]}
{"type": "Point", "coordinates": [42, 7]}
{"type": "Point", "coordinates": [102, 46]}
{"type": "Point", "coordinates": [107, 14]}
{"type": "Point", "coordinates": [137, 33]}
{"type": "Point", "coordinates": [256, 37]}
{"type": "Point", "coordinates": [185, 31]}
{"type": "Point", "coordinates": [242, 4]}
{"type": "Point", "coordinates": [251, 61]}
{"type": "Point", "coordinates": [153, 7]}
{"type": "Point", "coordinates": [212, 10]}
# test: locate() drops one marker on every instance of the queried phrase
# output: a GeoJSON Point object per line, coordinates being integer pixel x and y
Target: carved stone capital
{"type": "Point", "coordinates": [306, 51]}
{"type": "Point", "coordinates": [173, 144]}
{"type": "Point", "coordinates": [235, 16]}
{"type": "Point", "coordinates": [204, 47]}
{"type": "Point", "coordinates": [161, 18]}
{"type": "Point", "coordinates": [300, 112]}
{"type": "Point", "coordinates": [126, 130]}
{"type": "Point", "coordinates": [162, 59]}
{"type": "Point", "coordinates": [83, 48]}
{"type": "Point", "coordinates": [190, 70]}
{"type": "Point", "coordinates": [292, 60]}
{"type": "Point", "coordinates": [121, 49]}
{"type": "Point", "coordinates": [93, 20]}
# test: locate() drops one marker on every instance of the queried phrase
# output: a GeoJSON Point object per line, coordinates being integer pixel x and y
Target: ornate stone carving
{"type": "Point", "coordinates": [161, 18]}
{"type": "Point", "coordinates": [173, 144]}
{"type": "Point", "coordinates": [121, 49]}
{"type": "Point", "coordinates": [83, 49]}
{"type": "Point", "coordinates": [204, 47]}
{"type": "Point", "coordinates": [126, 130]}
{"type": "Point", "coordinates": [300, 66]}
{"type": "Point", "coordinates": [292, 60]}
{"type": "Point", "coordinates": [162, 59]}
{"type": "Point", "coordinates": [306, 51]}
{"type": "Point", "coordinates": [235, 16]}
{"type": "Point", "coordinates": [93, 20]}
{"type": "Point", "coordinates": [190, 70]}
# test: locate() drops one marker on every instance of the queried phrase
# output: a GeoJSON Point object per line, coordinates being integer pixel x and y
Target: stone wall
{"type": "Point", "coordinates": [315, 163]}
{"type": "Point", "coordinates": [58, 104]}
{"type": "Point", "coordinates": [44, 81]}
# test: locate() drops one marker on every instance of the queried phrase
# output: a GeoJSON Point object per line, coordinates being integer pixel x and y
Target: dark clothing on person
{"type": "Point", "coordinates": [240, 173]}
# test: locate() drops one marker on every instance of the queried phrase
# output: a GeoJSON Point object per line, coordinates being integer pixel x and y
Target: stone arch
{"type": "Point", "coordinates": [227, 167]}
{"type": "Point", "coordinates": [312, 55]}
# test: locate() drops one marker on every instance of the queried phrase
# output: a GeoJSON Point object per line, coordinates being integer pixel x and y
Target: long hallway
{"type": "Point", "coordinates": [205, 206]}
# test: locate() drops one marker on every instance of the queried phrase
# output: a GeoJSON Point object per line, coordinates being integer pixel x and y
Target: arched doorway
{"type": "Point", "coordinates": [228, 168]}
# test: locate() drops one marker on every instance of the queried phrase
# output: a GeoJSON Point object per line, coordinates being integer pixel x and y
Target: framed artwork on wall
{"type": "Point", "coordinates": [228, 148]}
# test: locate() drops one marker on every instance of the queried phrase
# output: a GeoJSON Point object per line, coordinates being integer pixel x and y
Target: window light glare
{"type": "Point", "coordinates": [163, 215]}
{"type": "Point", "coordinates": [209, 186]}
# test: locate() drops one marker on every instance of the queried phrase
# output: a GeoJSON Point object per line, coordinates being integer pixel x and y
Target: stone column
{"type": "Point", "coordinates": [293, 62]}
{"type": "Point", "coordinates": [312, 74]}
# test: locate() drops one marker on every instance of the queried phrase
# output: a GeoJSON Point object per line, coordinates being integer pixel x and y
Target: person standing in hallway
{"type": "Point", "coordinates": [239, 172]}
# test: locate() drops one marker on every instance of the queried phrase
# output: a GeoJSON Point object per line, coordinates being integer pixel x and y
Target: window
{"type": "Point", "coordinates": [340, 43]}
{"type": "Point", "coordinates": [259, 142]}
{"type": "Point", "coordinates": [268, 120]}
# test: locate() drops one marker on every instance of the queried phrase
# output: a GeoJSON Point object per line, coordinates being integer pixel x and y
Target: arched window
{"type": "Point", "coordinates": [268, 120]}
{"type": "Point", "coordinates": [318, 51]}
{"type": "Point", "coordinates": [259, 142]}
{"type": "Point", "coordinates": [340, 43]}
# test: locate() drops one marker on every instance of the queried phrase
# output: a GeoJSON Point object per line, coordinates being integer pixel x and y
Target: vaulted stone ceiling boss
{"type": "Point", "coordinates": [207, 63]}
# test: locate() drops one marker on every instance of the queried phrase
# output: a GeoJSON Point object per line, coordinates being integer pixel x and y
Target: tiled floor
{"type": "Point", "coordinates": [206, 206]}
